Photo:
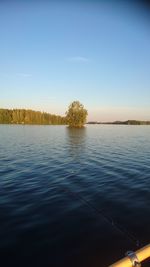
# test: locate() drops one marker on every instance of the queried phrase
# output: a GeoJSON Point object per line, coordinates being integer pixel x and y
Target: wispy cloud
{"type": "Point", "coordinates": [24, 75]}
{"type": "Point", "coordinates": [14, 75]}
{"type": "Point", "coordinates": [78, 59]}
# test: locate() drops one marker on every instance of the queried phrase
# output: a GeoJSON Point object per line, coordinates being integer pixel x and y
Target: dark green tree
{"type": "Point", "coordinates": [76, 114]}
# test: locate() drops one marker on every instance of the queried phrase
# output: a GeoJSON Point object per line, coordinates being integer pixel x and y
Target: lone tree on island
{"type": "Point", "coordinates": [76, 114]}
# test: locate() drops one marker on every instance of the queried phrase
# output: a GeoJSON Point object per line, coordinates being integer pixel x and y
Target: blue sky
{"type": "Point", "coordinates": [52, 53]}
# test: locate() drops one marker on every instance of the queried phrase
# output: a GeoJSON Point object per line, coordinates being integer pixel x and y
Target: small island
{"type": "Point", "coordinates": [76, 115]}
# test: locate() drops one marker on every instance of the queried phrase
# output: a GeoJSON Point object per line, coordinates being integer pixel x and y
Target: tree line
{"type": "Point", "coordinates": [23, 116]}
{"type": "Point", "coordinates": [129, 122]}
{"type": "Point", "coordinates": [134, 122]}
{"type": "Point", "coordinates": [75, 116]}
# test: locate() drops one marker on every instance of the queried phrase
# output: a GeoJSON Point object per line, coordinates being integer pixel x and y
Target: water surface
{"type": "Point", "coordinates": [60, 188]}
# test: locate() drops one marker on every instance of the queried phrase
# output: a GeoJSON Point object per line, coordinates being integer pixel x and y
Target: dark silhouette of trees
{"type": "Point", "coordinates": [76, 114]}
{"type": "Point", "coordinates": [129, 122]}
{"type": "Point", "coordinates": [23, 116]}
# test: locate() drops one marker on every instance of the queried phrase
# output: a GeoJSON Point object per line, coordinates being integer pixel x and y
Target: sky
{"type": "Point", "coordinates": [55, 52]}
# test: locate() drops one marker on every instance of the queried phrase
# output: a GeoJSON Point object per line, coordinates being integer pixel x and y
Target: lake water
{"type": "Point", "coordinates": [61, 188]}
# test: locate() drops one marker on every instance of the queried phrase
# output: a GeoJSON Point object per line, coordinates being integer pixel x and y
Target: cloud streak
{"type": "Point", "coordinates": [14, 75]}
{"type": "Point", "coordinates": [24, 75]}
{"type": "Point", "coordinates": [78, 59]}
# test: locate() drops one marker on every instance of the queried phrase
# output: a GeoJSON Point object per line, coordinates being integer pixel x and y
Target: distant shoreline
{"type": "Point", "coordinates": [140, 123]}
{"type": "Point", "coordinates": [31, 117]}
{"type": "Point", "coordinates": [128, 122]}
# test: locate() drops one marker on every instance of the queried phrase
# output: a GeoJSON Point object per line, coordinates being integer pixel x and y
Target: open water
{"type": "Point", "coordinates": [73, 197]}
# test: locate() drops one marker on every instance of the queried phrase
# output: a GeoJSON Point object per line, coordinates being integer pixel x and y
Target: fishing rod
{"type": "Point", "coordinates": [130, 236]}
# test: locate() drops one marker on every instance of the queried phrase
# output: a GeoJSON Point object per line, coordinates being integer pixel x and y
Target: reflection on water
{"type": "Point", "coordinates": [76, 141]}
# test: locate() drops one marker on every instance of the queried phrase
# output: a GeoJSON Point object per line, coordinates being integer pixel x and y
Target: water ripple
{"type": "Point", "coordinates": [43, 170]}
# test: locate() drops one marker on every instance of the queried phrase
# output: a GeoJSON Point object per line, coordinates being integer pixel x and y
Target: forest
{"type": "Point", "coordinates": [23, 116]}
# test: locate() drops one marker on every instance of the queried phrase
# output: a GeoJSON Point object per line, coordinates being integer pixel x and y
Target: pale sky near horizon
{"type": "Point", "coordinates": [55, 52]}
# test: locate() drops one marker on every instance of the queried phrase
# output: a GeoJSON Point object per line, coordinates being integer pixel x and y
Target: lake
{"type": "Point", "coordinates": [73, 197]}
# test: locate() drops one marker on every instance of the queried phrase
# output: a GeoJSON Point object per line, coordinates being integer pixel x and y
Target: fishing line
{"type": "Point", "coordinates": [101, 212]}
